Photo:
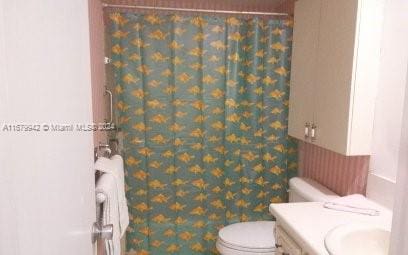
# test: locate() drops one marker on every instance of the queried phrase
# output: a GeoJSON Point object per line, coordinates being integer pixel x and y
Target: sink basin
{"type": "Point", "coordinates": [357, 239]}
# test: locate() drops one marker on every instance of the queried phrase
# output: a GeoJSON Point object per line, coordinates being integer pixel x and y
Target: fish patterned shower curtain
{"type": "Point", "coordinates": [203, 104]}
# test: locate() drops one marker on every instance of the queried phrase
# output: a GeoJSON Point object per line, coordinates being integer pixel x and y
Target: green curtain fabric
{"type": "Point", "coordinates": [203, 105]}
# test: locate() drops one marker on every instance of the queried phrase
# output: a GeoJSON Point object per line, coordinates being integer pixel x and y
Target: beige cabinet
{"type": "Point", "coordinates": [335, 61]}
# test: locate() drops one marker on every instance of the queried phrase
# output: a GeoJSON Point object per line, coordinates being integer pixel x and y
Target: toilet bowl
{"type": "Point", "coordinates": [258, 237]}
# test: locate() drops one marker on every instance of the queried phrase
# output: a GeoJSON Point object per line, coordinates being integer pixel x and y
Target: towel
{"type": "Point", "coordinates": [355, 204]}
{"type": "Point", "coordinates": [112, 184]}
{"type": "Point", "coordinates": [106, 185]}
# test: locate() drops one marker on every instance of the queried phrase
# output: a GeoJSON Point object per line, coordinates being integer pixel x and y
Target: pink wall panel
{"type": "Point", "coordinates": [343, 174]}
{"type": "Point", "coordinates": [99, 105]}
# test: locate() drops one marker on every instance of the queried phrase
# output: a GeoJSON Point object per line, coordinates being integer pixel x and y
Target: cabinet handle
{"type": "Point", "coordinates": [278, 245]}
{"type": "Point", "coordinates": [313, 132]}
{"type": "Point", "coordinates": [307, 126]}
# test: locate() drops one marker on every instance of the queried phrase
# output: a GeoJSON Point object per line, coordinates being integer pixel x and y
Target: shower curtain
{"type": "Point", "coordinates": [202, 103]}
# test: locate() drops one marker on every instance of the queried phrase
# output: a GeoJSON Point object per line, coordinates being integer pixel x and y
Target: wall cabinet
{"type": "Point", "coordinates": [335, 64]}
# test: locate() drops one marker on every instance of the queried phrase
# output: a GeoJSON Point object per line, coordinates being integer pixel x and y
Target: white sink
{"type": "Point", "coordinates": [357, 239]}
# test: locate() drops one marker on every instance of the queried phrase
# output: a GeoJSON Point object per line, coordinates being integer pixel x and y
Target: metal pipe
{"type": "Point", "coordinates": [158, 8]}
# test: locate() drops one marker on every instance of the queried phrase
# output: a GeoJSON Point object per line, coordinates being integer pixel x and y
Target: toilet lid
{"type": "Point", "coordinates": [256, 235]}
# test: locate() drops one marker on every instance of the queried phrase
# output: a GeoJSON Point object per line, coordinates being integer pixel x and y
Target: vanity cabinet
{"type": "Point", "coordinates": [335, 65]}
{"type": "Point", "coordinates": [285, 244]}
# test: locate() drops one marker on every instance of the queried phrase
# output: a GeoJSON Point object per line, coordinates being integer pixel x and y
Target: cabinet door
{"type": "Point", "coordinates": [304, 58]}
{"type": "Point", "coordinates": [334, 77]}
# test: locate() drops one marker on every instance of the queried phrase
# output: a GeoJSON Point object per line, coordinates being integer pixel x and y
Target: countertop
{"type": "Point", "coordinates": [308, 223]}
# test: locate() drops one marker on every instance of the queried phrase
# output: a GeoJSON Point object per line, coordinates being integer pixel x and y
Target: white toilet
{"type": "Point", "coordinates": [258, 237]}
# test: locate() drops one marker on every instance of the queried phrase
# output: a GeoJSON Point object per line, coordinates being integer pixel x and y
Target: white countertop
{"type": "Point", "coordinates": [308, 223]}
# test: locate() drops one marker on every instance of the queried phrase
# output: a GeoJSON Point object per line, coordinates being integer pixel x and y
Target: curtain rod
{"type": "Point", "coordinates": [158, 8]}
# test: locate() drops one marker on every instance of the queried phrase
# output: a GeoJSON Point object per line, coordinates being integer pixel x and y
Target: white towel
{"type": "Point", "coordinates": [355, 204]}
{"type": "Point", "coordinates": [116, 208]}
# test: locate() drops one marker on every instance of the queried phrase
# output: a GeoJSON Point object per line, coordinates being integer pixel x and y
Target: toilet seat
{"type": "Point", "coordinates": [247, 238]}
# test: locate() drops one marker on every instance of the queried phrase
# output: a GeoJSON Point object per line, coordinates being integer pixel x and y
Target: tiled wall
{"type": "Point", "coordinates": [343, 174]}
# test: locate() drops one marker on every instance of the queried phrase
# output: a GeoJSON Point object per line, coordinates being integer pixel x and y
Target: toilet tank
{"type": "Point", "coordinates": [308, 190]}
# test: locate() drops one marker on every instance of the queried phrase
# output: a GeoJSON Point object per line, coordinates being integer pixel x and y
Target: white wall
{"type": "Point", "coordinates": [389, 103]}
{"type": "Point", "coordinates": [46, 178]}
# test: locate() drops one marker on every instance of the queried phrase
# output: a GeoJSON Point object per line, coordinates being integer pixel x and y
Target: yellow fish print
{"type": "Point", "coordinates": [200, 118]}
{"type": "Point", "coordinates": [221, 149]}
{"type": "Point", "coordinates": [234, 57]}
{"type": "Point", "coordinates": [179, 182]}
{"type": "Point", "coordinates": [139, 43]}
{"type": "Point", "coordinates": [239, 168]}
{"type": "Point", "coordinates": [199, 105]}
{"type": "Point", "coordinates": [217, 110]}
{"type": "Point", "coordinates": [146, 231]}
{"type": "Point", "coordinates": [260, 208]}
{"type": "Point", "coordinates": [261, 181]}
{"type": "Point", "coordinates": [232, 138]}
{"type": "Point", "coordinates": [120, 34]}
{"type": "Point", "coordinates": [184, 77]}
{"type": "Point", "coordinates": [217, 172]}
{"type": "Point", "coordinates": [158, 35]}
{"type": "Point", "coordinates": [144, 69]}
{"type": "Point", "coordinates": [178, 102]}
{"type": "Point", "coordinates": [174, 45]}
{"type": "Point", "coordinates": [196, 169]}
{"type": "Point", "coordinates": [173, 248]}
{"type": "Point", "coordinates": [179, 221]}
{"type": "Point", "coordinates": [141, 192]}
{"type": "Point", "coordinates": [229, 215]}
{"type": "Point", "coordinates": [185, 157]}
{"type": "Point", "coordinates": [177, 61]}
{"type": "Point", "coordinates": [159, 57]}
{"type": "Point", "coordinates": [137, 27]}
{"type": "Point", "coordinates": [276, 199]}
{"type": "Point", "coordinates": [167, 73]}
{"type": "Point", "coordinates": [178, 142]}
{"type": "Point", "coordinates": [153, 19]}
{"type": "Point", "coordinates": [250, 156]}
{"type": "Point", "coordinates": [171, 169]}
{"type": "Point", "coordinates": [217, 29]}
{"type": "Point", "coordinates": [272, 60]}
{"type": "Point", "coordinates": [208, 79]}
{"type": "Point", "coordinates": [159, 118]}
{"type": "Point", "coordinates": [214, 139]}
{"type": "Point", "coordinates": [218, 204]}
{"type": "Point", "coordinates": [181, 193]}
{"type": "Point", "coordinates": [209, 159]}
{"type": "Point", "coordinates": [155, 164]}
{"type": "Point", "coordinates": [198, 52]}
{"type": "Point", "coordinates": [118, 89]}
{"type": "Point", "coordinates": [216, 190]}
{"type": "Point", "coordinates": [272, 138]}
{"type": "Point", "coordinates": [169, 233]}
{"type": "Point", "coordinates": [160, 198]}
{"type": "Point", "coordinates": [260, 53]}
{"type": "Point", "coordinates": [117, 18]}
{"type": "Point", "coordinates": [197, 133]}
{"type": "Point", "coordinates": [195, 90]}
{"type": "Point", "coordinates": [252, 78]}
{"type": "Point", "coordinates": [156, 184]}
{"type": "Point", "coordinates": [186, 235]}
{"type": "Point", "coordinates": [154, 104]}
{"type": "Point", "coordinates": [244, 127]}
{"type": "Point", "coordinates": [199, 224]}
{"type": "Point", "coordinates": [145, 151]}
{"type": "Point", "coordinates": [201, 197]}
{"type": "Point", "coordinates": [259, 133]}
{"type": "Point", "coordinates": [209, 237]}
{"type": "Point", "coordinates": [179, 31]}
{"type": "Point", "coordinates": [262, 194]}
{"type": "Point", "coordinates": [232, 21]}
{"type": "Point", "coordinates": [200, 37]}
{"type": "Point", "coordinates": [277, 125]}
{"type": "Point", "coordinates": [276, 186]}
{"type": "Point", "coordinates": [214, 58]}
{"type": "Point", "coordinates": [228, 182]}
{"type": "Point", "coordinates": [232, 83]}
{"type": "Point", "coordinates": [156, 243]}
{"type": "Point", "coordinates": [233, 118]}
{"type": "Point", "coordinates": [242, 203]}
{"type": "Point", "coordinates": [276, 111]}
{"type": "Point", "coordinates": [176, 127]}
{"type": "Point", "coordinates": [245, 140]}
{"type": "Point", "coordinates": [278, 47]}
{"type": "Point", "coordinates": [198, 21]}
{"type": "Point", "coordinates": [246, 191]}
{"type": "Point", "coordinates": [141, 127]}
{"type": "Point", "coordinates": [171, 89]}
{"type": "Point", "coordinates": [268, 157]}
{"type": "Point", "coordinates": [277, 94]}
{"type": "Point", "coordinates": [176, 18]}
{"type": "Point", "coordinates": [141, 175]}
{"type": "Point", "coordinates": [221, 70]}
{"type": "Point", "coordinates": [177, 207]}
{"type": "Point", "coordinates": [199, 183]}
{"type": "Point", "coordinates": [197, 66]}
{"type": "Point", "coordinates": [142, 207]}
{"type": "Point", "coordinates": [168, 154]}
{"type": "Point", "coordinates": [198, 211]}
{"type": "Point", "coordinates": [218, 45]}
{"type": "Point", "coordinates": [258, 168]}
{"type": "Point", "coordinates": [281, 71]}
{"type": "Point", "coordinates": [119, 64]}
{"type": "Point", "coordinates": [276, 170]}
{"type": "Point", "coordinates": [229, 195]}
{"type": "Point", "coordinates": [128, 78]}
{"type": "Point", "coordinates": [135, 57]}
{"type": "Point", "coordinates": [131, 161]}
{"type": "Point", "coordinates": [217, 93]}
{"type": "Point", "coordinates": [197, 247]}
{"type": "Point", "coordinates": [236, 36]}
{"type": "Point", "coordinates": [159, 139]}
